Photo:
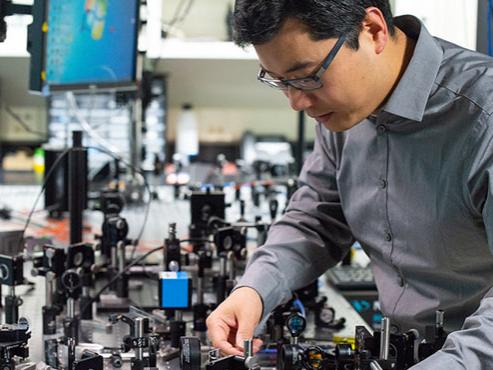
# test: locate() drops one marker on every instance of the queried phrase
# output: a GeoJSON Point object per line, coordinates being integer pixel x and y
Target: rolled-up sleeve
{"type": "Point", "coordinates": [312, 236]}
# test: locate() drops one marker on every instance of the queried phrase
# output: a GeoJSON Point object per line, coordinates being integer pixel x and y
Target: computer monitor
{"type": "Point", "coordinates": [83, 44]}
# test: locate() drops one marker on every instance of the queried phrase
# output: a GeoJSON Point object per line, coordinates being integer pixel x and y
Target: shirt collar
{"type": "Point", "coordinates": [409, 98]}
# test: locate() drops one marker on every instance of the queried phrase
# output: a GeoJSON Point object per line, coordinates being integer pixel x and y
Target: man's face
{"type": "Point", "coordinates": [348, 92]}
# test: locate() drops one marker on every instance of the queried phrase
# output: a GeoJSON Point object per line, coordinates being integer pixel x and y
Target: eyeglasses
{"type": "Point", "coordinates": [308, 83]}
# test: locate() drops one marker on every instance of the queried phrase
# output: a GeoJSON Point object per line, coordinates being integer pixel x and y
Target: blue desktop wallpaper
{"type": "Point", "coordinates": [90, 41]}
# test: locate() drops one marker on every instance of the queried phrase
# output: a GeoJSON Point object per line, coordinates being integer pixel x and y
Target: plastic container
{"type": "Point", "coordinates": [187, 136]}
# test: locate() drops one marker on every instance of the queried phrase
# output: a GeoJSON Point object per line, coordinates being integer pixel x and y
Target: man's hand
{"type": "Point", "coordinates": [235, 320]}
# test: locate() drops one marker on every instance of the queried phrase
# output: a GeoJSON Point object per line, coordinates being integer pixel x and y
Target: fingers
{"type": "Point", "coordinates": [222, 336]}
{"type": "Point", "coordinates": [257, 343]}
{"type": "Point", "coordinates": [227, 349]}
{"type": "Point", "coordinates": [245, 331]}
{"type": "Point", "coordinates": [235, 320]}
{"type": "Point", "coordinates": [219, 332]}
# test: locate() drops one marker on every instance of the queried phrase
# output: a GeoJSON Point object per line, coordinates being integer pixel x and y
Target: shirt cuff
{"type": "Point", "coordinates": [271, 289]}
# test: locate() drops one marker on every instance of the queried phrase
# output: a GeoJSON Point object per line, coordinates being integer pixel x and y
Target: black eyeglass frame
{"type": "Point", "coordinates": [316, 77]}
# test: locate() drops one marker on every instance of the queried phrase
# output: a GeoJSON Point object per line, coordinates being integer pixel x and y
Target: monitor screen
{"type": "Point", "coordinates": [88, 43]}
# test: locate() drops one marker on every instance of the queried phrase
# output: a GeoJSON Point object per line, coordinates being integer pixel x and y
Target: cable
{"type": "Point", "coordinates": [178, 10]}
{"type": "Point", "coordinates": [74, 109]}
{"type": "Point", "coordinates": [119, 275]}
{"type": "Point", "coordinates": [43, 187]}
{"type": "Point", "coordinates": [177, 18]}
{"type": "Point", "coordinates": [23, 124]}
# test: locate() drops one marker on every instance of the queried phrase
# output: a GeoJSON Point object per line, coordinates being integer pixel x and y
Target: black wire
{"type": "Point", "coordinates": [43, 187]}
{"type": "Point", "coordinates": [119, 275]}
{"type": "Point", "coordinates": [23, 124]}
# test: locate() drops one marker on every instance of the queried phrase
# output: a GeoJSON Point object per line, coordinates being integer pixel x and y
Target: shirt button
{"type": "Point", "coordinates": [388, 237]}
{"type": "Point", "coordinates": [381, 129]}
{"type": "Point", "coordinates": [383, 183]}
{"type": "Point", "coordinates": [401, 281]}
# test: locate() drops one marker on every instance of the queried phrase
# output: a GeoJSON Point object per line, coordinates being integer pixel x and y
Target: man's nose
{"type": "Point", "coordinates": [298, 99]}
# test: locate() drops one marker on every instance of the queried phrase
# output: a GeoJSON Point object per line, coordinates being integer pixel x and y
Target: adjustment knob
{"type": "Point", "coordinates": [296, 324]}
{"type": "Point", "coordinates": [71, 280]}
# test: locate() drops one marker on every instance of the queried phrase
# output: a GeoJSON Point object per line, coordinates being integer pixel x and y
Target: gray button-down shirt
{"type": "Point", "coordinates": [414, 186]}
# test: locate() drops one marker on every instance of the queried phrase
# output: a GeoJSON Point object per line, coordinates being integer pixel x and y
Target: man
{"type": "Point", "coordinates": [403, 163]}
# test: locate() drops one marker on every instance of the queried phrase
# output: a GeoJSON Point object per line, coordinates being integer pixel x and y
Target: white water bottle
{"type": "Point", "coordinates": [187, 136]}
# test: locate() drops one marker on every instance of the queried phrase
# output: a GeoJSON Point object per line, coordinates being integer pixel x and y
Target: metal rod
{"type": "Point", "coordinates": [375, 366]}
{"type": "Point", "coordinates": [222, 266]}
{"type": "Point", "coordinates": [77, 187]}
{"type": "Point", "coordinates": [139, 333]}
{"type": "Point", "coordinates": [200, 290]}
{"type": "Point", "coordinates": [11, 307]}
{"type": "Point", "coordinates": [71, 344]}
{"type": "Point", "coordinates": [231, 265]}
{"type": "Point", "coordinates": [114, 257]}
{"type": "Point", "coordinates": [136, 126]}
{"type": "Point", "coordinates": [121, 256]}
{"type": "Point", "coordinates": [71, 308]}
{"type": "Point", "coordinates": [439, 319]}
{"type": "Point", "coordinates": [178, 315]}
{"type": "Point", "coordinates": [248, 348]}
{"type": "Point", "coordinates": [172, 231]}
{"type": "Point", "coordinates": [385, 339]}
{"type": "Point", "coordinates": [50, 278]}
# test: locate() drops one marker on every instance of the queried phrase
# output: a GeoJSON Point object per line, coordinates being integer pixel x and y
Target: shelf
{"type": "Point", "coordinates": [219, 50]}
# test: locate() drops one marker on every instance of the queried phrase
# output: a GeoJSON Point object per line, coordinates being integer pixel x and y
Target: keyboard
{"type": "Point", "coordinates": [351, 278]}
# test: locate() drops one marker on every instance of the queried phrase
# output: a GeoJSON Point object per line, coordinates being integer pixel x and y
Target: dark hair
{"type": "Point", "coordinates": [258, 21]}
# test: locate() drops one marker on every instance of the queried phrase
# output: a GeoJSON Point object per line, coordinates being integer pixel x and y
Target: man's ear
{"type": "Point", "coordinates": [374, 27]}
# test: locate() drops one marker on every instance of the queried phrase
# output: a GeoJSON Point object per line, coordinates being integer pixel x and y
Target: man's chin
{"type": "Point", "coordinates": [336, 125]}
